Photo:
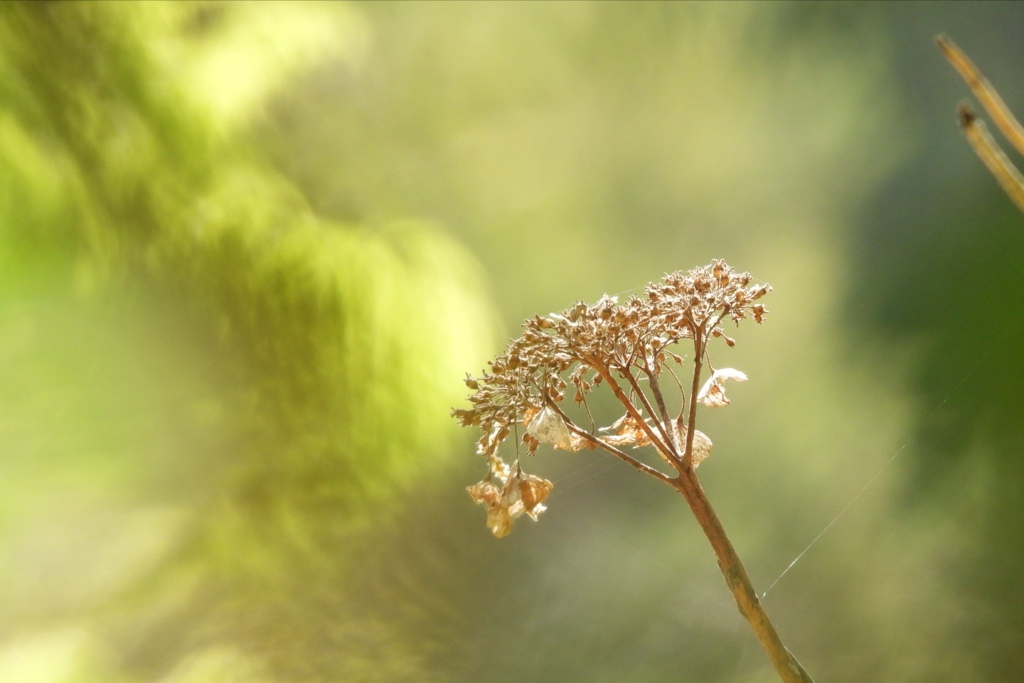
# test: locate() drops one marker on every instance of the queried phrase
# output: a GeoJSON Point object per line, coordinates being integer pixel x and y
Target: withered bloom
{"type": "Point", "coordinates": [624, 346]}
{"type": "Point", "coordinates": [522, 493]}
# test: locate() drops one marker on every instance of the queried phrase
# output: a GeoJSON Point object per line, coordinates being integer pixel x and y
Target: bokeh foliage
{"type": "Point", "coordinates": [199, 369]}
{"type": "Point", "coordinates": [235, 312]}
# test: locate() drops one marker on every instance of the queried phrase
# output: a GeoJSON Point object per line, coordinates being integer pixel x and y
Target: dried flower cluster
{"type": "Point", "coordinates": [608, 343]}
{"type": "Point", "coordinates": [520, 493]}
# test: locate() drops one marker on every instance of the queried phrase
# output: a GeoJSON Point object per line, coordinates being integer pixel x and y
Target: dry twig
{"type": "Point", "coordinates": [975, 130]}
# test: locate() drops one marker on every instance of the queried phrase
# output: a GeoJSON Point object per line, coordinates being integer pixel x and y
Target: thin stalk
{"type": "Point", "coordinates": [993, 157]}
{"type": "Point", "coordinates": [974, 130]}
{"type": "Point", "coordinates": [656, 440]}
{"type": "Point", "coordinates": [687, 484]}
{"type": "Point", "coordinates": [659, 399]}
{"type": "Point", "coordinates": [698, 364]}
{"type": "Point", "coordinates": [622, 455]}
{"type": "Point", "coordinates": [662, 426]}
{"type": "Point", "coordinates": [787, 666]}
{"type": "Point", "coordinates": [1001, 115]}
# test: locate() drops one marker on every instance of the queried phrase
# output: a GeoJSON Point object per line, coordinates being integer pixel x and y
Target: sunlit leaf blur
{"type": "Point", "coordinates": [250, 251]}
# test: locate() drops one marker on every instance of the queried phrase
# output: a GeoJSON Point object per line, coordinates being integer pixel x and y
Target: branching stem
{"type": "Point", "coordinates": [625, 457]}
{"type": "Point", "coordinates": [659, 399]}
{"type": "Point", "coordinates": [691, 420]}
{"type": "Point", "coordinates": [1004, 119]}
{"type": "Point", "coordinates": [656, 440]}
{"type": "Point", "coordinates": [999, 165]}
{"type": "Point", "coordinates": [662, 427]}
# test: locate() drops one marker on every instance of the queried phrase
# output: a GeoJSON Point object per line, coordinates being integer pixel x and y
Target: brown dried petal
{"type": "Point", "coordinates": [712, 394]}
{"type": "Point", "coordinates": [701, 447]}
{"type": "Point", "coordinates": [531, 443]}
{"type": "Point", "coordinates": [720, 272]}
{"type": "Point", "coordinates": [499, 468]}
{"type": "Point", "coordinates": [548, 427]}
{"type": "Point", "coordinates": [484, 493]}
{"type": "Point", "coordinates": [511, 495]}
{"type": "Point", "coordinates": [533, 491]}
{"type": "Point", "coordinates": [499, 521]}
{"type": "Point", "coordinates": [579, 443]}
{"type": "Point", "coordinates": [628, 431]}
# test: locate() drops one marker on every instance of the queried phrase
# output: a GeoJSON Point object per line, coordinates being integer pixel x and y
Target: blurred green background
{"type": "Point", "coordinates": [249, 250]}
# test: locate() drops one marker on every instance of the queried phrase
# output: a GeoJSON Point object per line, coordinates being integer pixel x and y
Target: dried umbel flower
{"type": "Point", "coordinates": [623, 346]}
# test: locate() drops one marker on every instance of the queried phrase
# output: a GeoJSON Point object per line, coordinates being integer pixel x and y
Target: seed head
{"type": "Point", "coordinates": [587, 345]}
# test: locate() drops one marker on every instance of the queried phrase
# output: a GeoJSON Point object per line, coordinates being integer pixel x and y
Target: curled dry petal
{"type": "Point", "coordinates": [484, 493]}
{"type": "Point", "coordinates": [627, 431]}
{"type": "Point", "coordinates": [533, 491]}
{"type": "Point", "coordinates": [488, 443]}
{"type": "Point", "coordinates": [701, 447]}
{"type": "Point", "coordinates": [579, 443]}
{"type": "Point", "coordinates": [511, 496]}
{"type": "Point", "coordinates": [712, 394]}
{"type": "Point", "coordinates": [499, 521]}
{"type": "Point", "coordinates": [531, 443]}
{"type": "Point", "coordinates": [548, 427]}
{"type": "Point", "coordinates": [731, 373]}
{"type": "Point", "coordinates": [617, 425]}
{"type": "Point", "coordinates": [525, 493]}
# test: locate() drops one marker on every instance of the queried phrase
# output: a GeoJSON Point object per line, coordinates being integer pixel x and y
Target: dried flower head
{"type": "Point", "coordinates": [521, 493]}
{"type": "Point", "coordinates": [624, 346]}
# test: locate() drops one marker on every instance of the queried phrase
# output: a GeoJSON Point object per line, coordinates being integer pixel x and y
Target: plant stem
{"type": "Point", "coordinates": [974, 130]}
{"type": "Point", "coordinates": [597, 442]}
{"type": "Point", "coordinates": [691, 419]}
{"type": "Point", "coordinates": [656, 439]}
{"type": "Point", "coordinates": [992, 155]}
{"type": "Point", "coordinates": [736, 578]}
{"type": "Point", "coordinates": [1001, 115]}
